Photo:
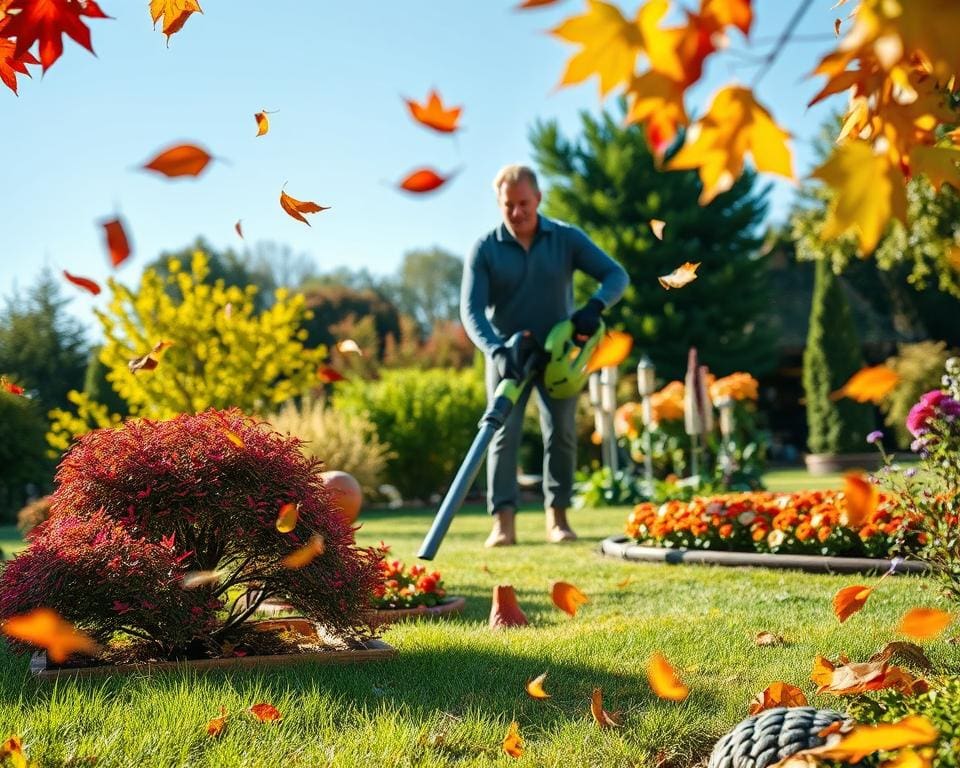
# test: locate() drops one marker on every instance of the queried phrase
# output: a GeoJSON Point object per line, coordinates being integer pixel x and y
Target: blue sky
{"type": "Point", "coordinates": [335, 72]}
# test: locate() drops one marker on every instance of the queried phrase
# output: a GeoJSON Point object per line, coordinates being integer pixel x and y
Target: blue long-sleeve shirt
{"type": "Point", "coordinates": [506, 289]}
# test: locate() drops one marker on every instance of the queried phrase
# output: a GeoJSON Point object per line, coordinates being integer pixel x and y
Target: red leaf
{"type": "Point", "coordinates": [296, 208]}
{"type": "Point", "coordinates": [84, 282]}
{"type": "Point", "coordinates": [117, 243]}
{"type": "Point", "coordinates": [180, 160]}
{"type": "Point", "coordinates": [329, 375]}
{"type": "Point", "coordinates": [265, 713]}
{"type": "Point", "coordinates": [10, 387]}
{"type": "Point", "coordinates": [47, 21]}
{"type": "Point", "coordinates": [10, 64]}
{"type": "Point", "coordinates": [424, 180]}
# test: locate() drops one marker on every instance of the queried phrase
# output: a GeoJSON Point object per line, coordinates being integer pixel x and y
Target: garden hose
{"type": "Point", "coordinates": [768, 737]}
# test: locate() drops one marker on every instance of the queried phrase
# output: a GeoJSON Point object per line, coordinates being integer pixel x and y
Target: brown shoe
{"type": "Point", "coordinates": [558, 530]}
{"type": "Point", "coordinates": [504, 533]}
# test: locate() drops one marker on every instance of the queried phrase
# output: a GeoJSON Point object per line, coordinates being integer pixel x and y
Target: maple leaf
{"type": "Point", "coordinates": [938, 163]}
{"type": "Point", "coordinates": [735, 124]}
{"type": "Point", "coordinates": [737, 13]}
{"type": "Point", "coordinates": [296, 208]}
{"type": "Point", "coordinates": [433, 115]}
{"type": "Point", "coordinates": [47, 21]}
{"type": "Point", "coordinates": [11, 64]}
{"type": "Point", "coordinates": [869, 191]}
{"type": "Point", "coordinates": [656, 100]}
{"type": "Point", "coordinates": [778, 694]}
{"type": "Point", "coordinates": [610, 45]}
{"type": "Point", "coordinates": [175, 14]}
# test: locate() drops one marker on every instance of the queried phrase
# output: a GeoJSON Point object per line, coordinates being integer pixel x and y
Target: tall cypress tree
{"type": "Point", "coordinates": [608, 182]}
{"type": "Point", "coordinates": [831, 357]}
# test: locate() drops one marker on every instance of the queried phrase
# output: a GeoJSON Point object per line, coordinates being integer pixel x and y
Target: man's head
{"type": "Point", "coordinates": [518, 196]}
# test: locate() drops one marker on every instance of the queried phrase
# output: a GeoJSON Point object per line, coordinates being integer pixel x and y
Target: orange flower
{"type": "Point", "coordinates": [626, 421]}
{"type": "Point", "coordinates": [667, 404]}
{"type": "Point", "coordinates": [737, 386]}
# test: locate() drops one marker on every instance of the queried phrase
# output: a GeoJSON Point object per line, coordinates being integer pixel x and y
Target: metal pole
{"type": "Point", "coordinates": [647, 440]}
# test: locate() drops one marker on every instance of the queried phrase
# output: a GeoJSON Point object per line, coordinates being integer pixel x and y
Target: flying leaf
{"type": "Point", "coordinates": [864, 740]}
{"type": "Point", "coordinates": [263, 124]}
{"type": "Point", "coordinates": [174, 12]}
{"type": "Point", "coordinates": [567, 597]}
{"type": "Point", "coordinates": [434, 115]}
{"type": "Point", "coordinates": [47, 21]}
{"type": "Point", "coordinates": [118, 246]}
{"type": "Point", "coordinates": [303, 556]}
{"type": "Point", "coordinates": [663, 679]}
{"type": "Point", "coordinates": [681, 276]}
{"type": "Point", "coordinates": [600, 716]}
{"type": "Point", "coordinates": [150, 360]}
{"type": "Point", "coordinates": [423, 180]}
{"type": "Point", "coordinates": [869, 385]}
{"type": "Point", "coordinates": [861, 497]}
{"type": "Point", "coordinates": [44, 628]}
{"type": "Point", "coordinates": [836, 26]}
{"type": "Point", "coordinates": [612, 350]}
{"type": "Point", "coordinates": [265, 713]}
{"type": "Point", "coordinates": [610, 44]}
{"type": "Point", "coordinates": [287, 517]}
{"type": "Point", "coordinates": [194, 579]}
{"type": "Point", "coordinates": [217, 725]}
{"type": "Point", "coordinates": [535, 687]}
{"type": "Point", "coordinates": [296, 208]}
{"type": "Point", "coordinates": [349, 345]}
{"type": "Point", "coordinates": [656, 226]}
{"type": "Point", "coordinates": [924, 623]}
{"type": "Point", "coordinates": [534, 4]}
{"type": "Point", "coordinates": [238, 228]}
{"type": "Point", "coordinates": [9, 386]}
{"type": "Point", "coordinates": [869, 191]}
{"type": "Point", "coordinates": [656, 100]}
{"type": "Point", "coordinates": [84, 282]}
{"type": "Point", "coordinates": [11, 65]}
{"type": "Point", "coordinates": [180, 160]}
{"type": "Point", "coordinates": [329, 375]}
{"type": "Point", "coordinates": [512, 743]}
{"type": "Point", "coordinates": [737, 13]}
{"type": "Point", "coordinates": [778, 694]}
{"type": "Point", "coordinates": [850, 600]}
{"type": "Point", "coordinates": [735, 124]}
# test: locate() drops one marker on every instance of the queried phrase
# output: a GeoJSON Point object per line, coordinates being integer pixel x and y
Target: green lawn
{"type": "Point", "coordinates": [450, 695]}
{"type": "Point", "coordinates": [800, 480]}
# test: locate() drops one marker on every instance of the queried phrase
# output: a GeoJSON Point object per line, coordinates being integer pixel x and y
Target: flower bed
{"type": "Point", "coordinates": [407, 586]}
{"type": "Point", "coordinates": [805, 523]}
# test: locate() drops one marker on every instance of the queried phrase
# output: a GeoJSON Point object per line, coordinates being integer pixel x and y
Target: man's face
{"type": "Point", "coordinates": [518, 205]}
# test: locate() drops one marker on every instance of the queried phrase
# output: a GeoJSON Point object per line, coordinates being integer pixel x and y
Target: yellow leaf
{"type": "Point", "coordinates": [863, 740]}
{"type": "Point", "coordinates": [907, 758]}
{"type": "Point", "coordinates": [939, 164]}
{"type": "Point", "coordinates": [656, 100]}
{"type": "Point", "coordinates": [610, 44]}
{"type": "Point", "coordinates": [611, 351]}
{"type": "Point", "coordinates": [287, 517]}
{"type": "Point", "coordinates": [512, 743]}
{"type": "Point", "coordinates": [303, 556]}
{"type": "Point", "coordinates": [869, 191]}
{"type": "Point", "coordinates": [735, 13]}
{"type": "Point", "coordinates": [535, 687]}
{"type": "Point", "coordinates": [174, 12]}
{"type": "Point", "coordinates": [734, 125]}
{"type": "Point", "coordinates": [663, 679]}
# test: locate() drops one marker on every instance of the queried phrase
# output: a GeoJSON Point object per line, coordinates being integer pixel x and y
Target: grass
{"type": "Point", "coordinates": [782, 480]}
{"type": "Point", "coordinates": [449, 697]}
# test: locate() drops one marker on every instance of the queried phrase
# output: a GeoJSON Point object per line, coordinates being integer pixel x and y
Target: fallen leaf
{"type": "Point", "coordinates": [864, 740]}
{"type": "Point", "coordinates": [685, 273]}
{"type": "Point", "coordinates": [424, 180]}
{"type": "Point", "coordinates": [265, 713]}
{"type": "Point", "coordinates": [567, 597]}
{"type": "Point", "coordinates": [625, 583]}
{"type": "Point", "coordinates": [217, 725]}
{"type": "Point", "coordinates": [908, 758]}
{"type": "Point", "coordinates": [535, 687]}
{"type": "Point", "coordinates": [602, 718]}
{"type": "Point", "coordinates": [861, 497]}
{"type": "Point", "coordinates": [174, 12]}
{"type": "Point", "coordinates": [239, 228]}
{"type": "Point", "coordinates": [84, 282]}
{"type": "Point", "coordinates": [766, 639]}
{"type": "Point", "coordinates": [9, 386]}
{"type": "Point", "coordinates": [612, 350]}
{"type": "Point", "coordinates": [869, 385]}
{"type": "Point", "coordinates": [911, 653]}
{"type": "Point", "coordinates": [329, 375]}
{"type": "Point", "coordinates": [46, 21]}
{"type": "Point", "coordinates": [663, 679]}
{"type": "Point", "coordinates": [296, 208]}
{"type": "Point", "coordinates": [924, 623]}
{"type": "Point", "coordinates": [850, 600]}
{"type": "Point", "coordinates": [287, 517]}
{"type": "Point", "coordinates": [656, 226]}
{"type": "Point", "coordinates": [778, 694]}
{"type": "Point", "coordinates": [512, 743]}
{"type": "Point", "coordinates": [302, 557]}
{"type": "Point", "coordinates": [349, 345]}
{"type": "Point", "coordinates": [434, 115]}
{"type": "Point", "coordinates": [44, 628]}
{"type": "Point", "coordinates": [848, 679]}
{"type": "Point", "coordinates": [180, 160]}
{"type": "Point", "coordinates": [118, 246]}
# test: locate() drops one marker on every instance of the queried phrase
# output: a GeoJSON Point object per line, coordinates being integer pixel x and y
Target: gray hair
{"type": "Point", "coordinates": [511, 174]}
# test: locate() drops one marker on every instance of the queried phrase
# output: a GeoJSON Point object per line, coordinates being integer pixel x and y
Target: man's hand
{"type": "Point", "coordinates": [586, 320]}
{"type": "Point", "coordinates": [506, 364]}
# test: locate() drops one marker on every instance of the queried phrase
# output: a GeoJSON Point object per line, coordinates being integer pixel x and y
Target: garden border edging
{"type": "Point", "coordinates": [624, 548]}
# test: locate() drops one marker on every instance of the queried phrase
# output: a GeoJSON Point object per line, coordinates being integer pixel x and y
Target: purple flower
{"type": "Point", "coordinates": [875, 437]}
{"type": "Point", "coordinates": [932, 405]}
{"type": "Point", "coordinates": [911, 472]}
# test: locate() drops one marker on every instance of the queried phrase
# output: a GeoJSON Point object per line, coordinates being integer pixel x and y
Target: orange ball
{"type": "Point", "coordinates": [345, 493]}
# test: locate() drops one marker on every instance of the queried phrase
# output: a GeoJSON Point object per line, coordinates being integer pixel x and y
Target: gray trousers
{"type": "Point", "coordinates": [559, 429]}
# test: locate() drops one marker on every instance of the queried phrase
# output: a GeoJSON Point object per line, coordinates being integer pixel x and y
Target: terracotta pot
{"type": "Point", "coordinates": [505, 610]}
{"type": "Point", "coordinates": [346, 493]}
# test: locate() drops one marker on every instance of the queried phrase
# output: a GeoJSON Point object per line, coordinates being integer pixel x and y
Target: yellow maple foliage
{"type": "Point", "coordinates": [174, 13]}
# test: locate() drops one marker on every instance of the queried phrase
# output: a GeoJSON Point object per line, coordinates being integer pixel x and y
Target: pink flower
{"type": "Point", "coordinates": [932, 405]}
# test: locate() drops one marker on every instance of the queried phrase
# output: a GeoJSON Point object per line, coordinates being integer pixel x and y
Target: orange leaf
{"type": "Point", "coordinates": [47, 21]}
{"type": "Point", "coordinates": [13, 748]}
{"type": "Point", "coordinates": [663, 679]}
{"type": "Point", "coordinates": [44, 628]}
{"type": "Point", "coordinates": [180, 160]}
{"type": "Point", "coordinates": [850, 600]}
{"type": "Point", "coordinates": [117, 244]}
{"type": "Point", "coordinates": [656, 226]}
{"type": "Point", "coordinates": [13, 389]}
{"type": "Point", "coordinates": [424, 180]}
{"type": "Point", "coordinates": [512, 743]}
{"type": "Point", "coordinates": [724, 13]}
{"type": "Point", "coordinates": [329, 375]}
{"type": "Point", "coordinates": [567, 597]}
{"type": "Point", "coordinates": [296, 208]}
{"type": "Point", "coordinates": [625, 583]}
{"type": "Point", "coordinates": [287, 517]}
{"type": "Point", "coordinates": [778, 694]}
{"type": "Point", "coordinates": [10, 64]}
{"type": "Point", "coordinates": [217, 725]}
{"type": "Point", "coordinates": [263, 124]}
{"type": "Point", "coordinates": [861, 497]}
{"type": "Point", "coordinates": [239, 228]}
{"type": "Point", "coordinates": [863, 740]}
{"type": "Point", "coordinates": [535, 687]}
{"type": "Point", "coordinates": [433, 114]}
{"type": "Point", "coordinates": [611, 351]}
{"type": "Point", "coordinates": [174, 12]}
{"type": "Point", "coordinates": [907, 758]}
{"type": "Point", "coordinates": [602, 718]}
{"type": "Point", "coordinates": [84, 282]}
{"type": "Point", "coordinates": [849, 679]}
{"type": "Point", "coordinates": [265, 713]}
{"type": "Point", "coordinates": [869, 385]}
{"type": "Point", "coordinates": [302, 557]}
{"type": "Point", "coordinates": [924, 623]}
{"type": "Point", "coordinates": [685, 273]}
{"type": "Point", "coordinates": [149, 361]}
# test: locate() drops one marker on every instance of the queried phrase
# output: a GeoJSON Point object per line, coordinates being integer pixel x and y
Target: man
{"type": "Point", "coordinates": [519, 277]}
